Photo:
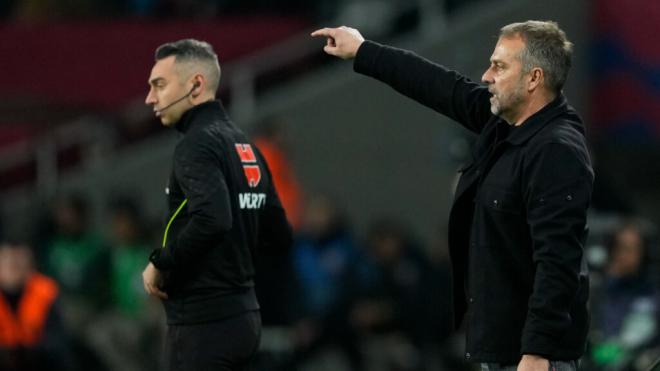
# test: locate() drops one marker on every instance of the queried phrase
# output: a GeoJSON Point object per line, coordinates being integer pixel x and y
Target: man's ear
{"type": "Point", "coordinates": [198, 84]}
{"type": "Point", "coordinates": [536, 78]}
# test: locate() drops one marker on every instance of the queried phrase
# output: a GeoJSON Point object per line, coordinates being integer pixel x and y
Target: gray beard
{"type": "Point", "coordinates": [514, 100]}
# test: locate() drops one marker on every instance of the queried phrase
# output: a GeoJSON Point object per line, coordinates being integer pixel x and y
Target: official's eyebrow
{"type": "Point", "coordinates": [156, 80]}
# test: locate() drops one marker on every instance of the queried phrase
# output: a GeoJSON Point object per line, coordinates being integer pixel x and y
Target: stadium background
{"type": "Point", "coordinates": [367, 172]}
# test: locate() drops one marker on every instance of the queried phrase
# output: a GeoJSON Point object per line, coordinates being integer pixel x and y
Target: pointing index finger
{"type": "Point", "coordinates": [327, 32]}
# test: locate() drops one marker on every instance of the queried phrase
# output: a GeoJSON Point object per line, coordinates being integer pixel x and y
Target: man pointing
{"type": "Point", "coordinates": [518, 223]}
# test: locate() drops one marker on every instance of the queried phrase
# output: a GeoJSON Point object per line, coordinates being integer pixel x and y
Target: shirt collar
{"type": "Point", "coordinates": [190, 116]}
{"type": "Point", "coordinates": [559, 106]}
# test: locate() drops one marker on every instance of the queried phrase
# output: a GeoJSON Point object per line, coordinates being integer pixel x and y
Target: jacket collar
{"type": "Point", "coordinates": [558, 107]}
{"type": "Point", "coordinates": [191, 116]}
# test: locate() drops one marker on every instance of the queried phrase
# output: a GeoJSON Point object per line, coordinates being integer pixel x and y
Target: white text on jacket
{"type": "Point", "coordinates": [251, 200]}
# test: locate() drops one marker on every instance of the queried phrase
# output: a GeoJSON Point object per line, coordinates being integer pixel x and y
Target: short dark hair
{"type": "Point", "coordinates": [196, 51]}
{"type": "Point", "coordinates": [547, 47]}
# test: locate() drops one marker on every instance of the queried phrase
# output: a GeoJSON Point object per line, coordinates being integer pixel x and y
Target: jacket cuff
{"type": "Point", "coordinates": [538, 344]}
{"type": "Point", "coordinates": [161, 259]}
{"type": "Point", "coordinates": [366, 57]}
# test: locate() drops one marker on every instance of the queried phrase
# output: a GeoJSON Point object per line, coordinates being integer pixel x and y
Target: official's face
{"type": "Point", "coordinates": [166, 87]}
{"type": "Point", "coordinates": [505, 79]}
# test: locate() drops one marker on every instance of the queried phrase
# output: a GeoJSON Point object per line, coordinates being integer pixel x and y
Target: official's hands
{"type": "Point", "coordinates": [342, 42]}
{"type": "Point", "coordinates": [533, 363]}
{"type": "Point", "coordinates": [153, 280]}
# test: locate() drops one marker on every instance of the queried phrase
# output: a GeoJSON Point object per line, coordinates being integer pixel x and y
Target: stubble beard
{"type": "Point", "coordinates": [506, 106]}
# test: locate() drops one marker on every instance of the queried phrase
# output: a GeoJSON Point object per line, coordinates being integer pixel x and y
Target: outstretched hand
{"type": "Point", "coordinates": [342, 42]}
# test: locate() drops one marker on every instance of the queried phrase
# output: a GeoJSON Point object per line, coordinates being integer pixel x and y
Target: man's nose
{"type": "Point", "coordinates": [486, 77]}
{"type": "Point", "coordinates": [150, 99]}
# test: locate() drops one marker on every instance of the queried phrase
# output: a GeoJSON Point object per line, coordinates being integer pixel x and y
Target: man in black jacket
{"type": "Point", "coordinates": [223, 207]}
{"type": "Point", "coordinates": [518, 222]}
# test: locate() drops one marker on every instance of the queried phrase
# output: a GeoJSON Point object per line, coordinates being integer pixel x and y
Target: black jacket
{"type": "Point", "coordinates": [223, 207]}
{"type": "Point", "coordinates": [518, 223]}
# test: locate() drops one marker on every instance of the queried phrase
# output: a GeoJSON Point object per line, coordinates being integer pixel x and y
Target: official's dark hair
{"type": "Point", "coordinates": [546, 47]}
{"type": "Point", "coordinates": [197, 52]}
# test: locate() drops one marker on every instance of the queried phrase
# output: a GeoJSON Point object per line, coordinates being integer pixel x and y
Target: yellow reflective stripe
{"type": "Point", "coordinates": [172, 219]}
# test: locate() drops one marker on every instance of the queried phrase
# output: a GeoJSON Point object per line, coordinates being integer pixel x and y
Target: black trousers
{"type": "Point", "coordinates": [227, 345]}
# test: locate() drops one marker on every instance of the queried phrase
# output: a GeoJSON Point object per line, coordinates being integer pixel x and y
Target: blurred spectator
{"type": "Point", "coordinates": [399, 307]}
{"type": "Point", "coordinates": [326, 263]}
{"type": "Point", "coordinates": [127, 256]}
{"type": "Point", "coordinates": [77, 258]}
{"type": "Point", "coordinates": [31, 335]}
{"type": "Point", "coordinates": [125, 333]}
{"type": "Point", "coordinates": [625, 306]}
{"type": "Point", "coordinates": [272, 140]}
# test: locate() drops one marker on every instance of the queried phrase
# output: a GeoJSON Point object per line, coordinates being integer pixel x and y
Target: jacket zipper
{"type": "Point", "coordinates": [185, 200]}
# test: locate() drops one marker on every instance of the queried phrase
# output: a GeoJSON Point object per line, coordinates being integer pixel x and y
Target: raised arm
{"type": "Point", "coordinates": [428, 83]}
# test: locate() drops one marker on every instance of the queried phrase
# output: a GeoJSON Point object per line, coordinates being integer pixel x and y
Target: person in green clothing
{"type": "Point", "coordinates": [76, 257]}
{"type": "Point", "coordinates": [125, 333]}
{"type": "Point", "coordinates": [127, 258]}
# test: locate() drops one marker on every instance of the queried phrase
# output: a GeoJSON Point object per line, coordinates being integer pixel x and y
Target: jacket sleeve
{"type": "Point", "coordinates": [275, 234]}
{"type": "Point", "coordinates": [430, 84]}
{"type": "Point", "coordinates": [197, 167]}
{"type": "Point", "coordinates": [558, 184]}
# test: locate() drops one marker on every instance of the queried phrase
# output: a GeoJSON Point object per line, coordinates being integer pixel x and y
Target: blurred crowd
{"type": "Point", "coordinates": [624, 298]}
{"type": "Point", "coordinates": [75, 9]}
{"type": "Point", "coordinates": [398, 11]}
{"type": "Point", "coordinates": [72, 295]}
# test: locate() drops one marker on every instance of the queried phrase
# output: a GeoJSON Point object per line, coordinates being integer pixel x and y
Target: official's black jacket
{"type": "Point", "coordinates": [518, 222]}
{"type": "Point", "coordinates": [223, 208]}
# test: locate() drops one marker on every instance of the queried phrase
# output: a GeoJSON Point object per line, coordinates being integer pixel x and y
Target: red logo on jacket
{"type": "Point", "coordinates": [246, 153]}
{"type": "Point", "coordinates": [252, 172]}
